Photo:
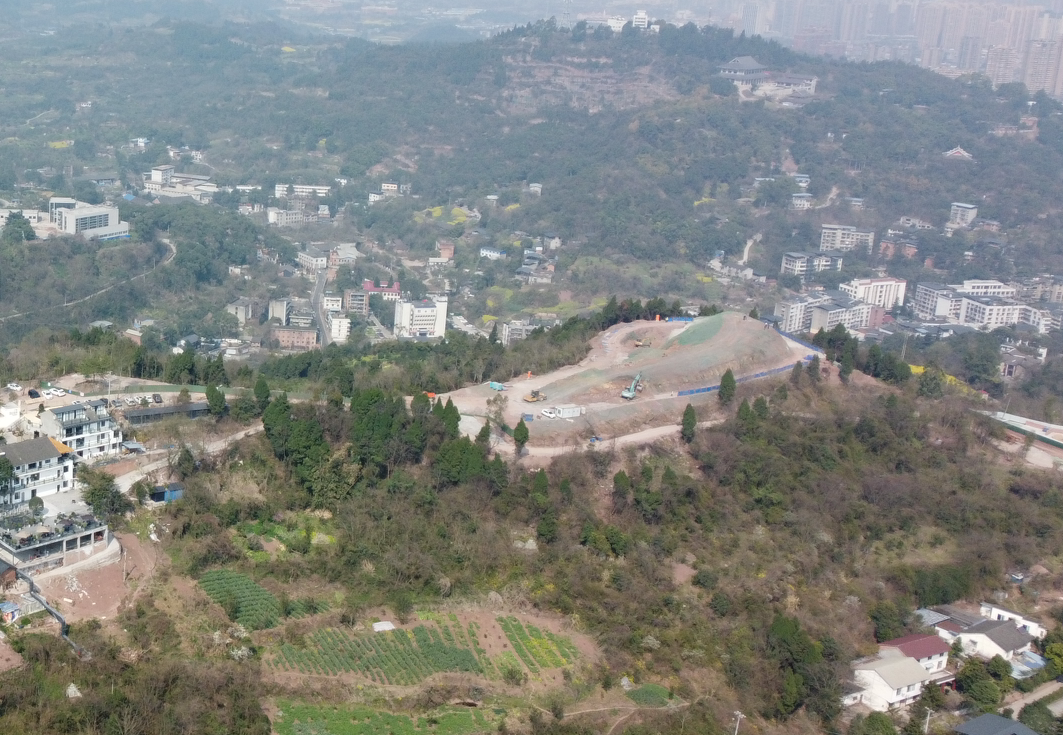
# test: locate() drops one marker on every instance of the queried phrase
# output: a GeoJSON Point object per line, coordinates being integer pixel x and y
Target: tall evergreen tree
{"type": "Point", "coordinates": [690, 424]}
{"type": "Point", "coordinates": [728, 386]}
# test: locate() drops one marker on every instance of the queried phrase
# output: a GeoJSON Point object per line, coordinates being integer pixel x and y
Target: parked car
{"type": "Point", "coordinates": [14, 386]}
{"type": "Point", "coordinates": [157, 397]}
{"type": "Point", "coordinates": [34, 393]}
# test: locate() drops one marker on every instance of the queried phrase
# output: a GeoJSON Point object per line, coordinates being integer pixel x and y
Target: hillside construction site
{"type": "Point", "coordinates": [666, 357]}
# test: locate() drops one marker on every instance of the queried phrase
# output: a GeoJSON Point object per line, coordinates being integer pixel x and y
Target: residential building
{"type": "Point", "coordinates": [312, 259]}
{"type": "Point", "coordinates": [344, 254]}
{"type": "Point", "coordinates": [492, 253]}
{"type": "Point", "coordinates": [357, 301]}
{"type": "Point", "coordinates": [515, 331]}
{"type": "Point", "coordinates": [295, 338]}
{"type": "Point", "coordinates": [445, 248]}
{"type": "Point", "coordinates": [802, 264]}
{"type": "Point", "coordinates": [536, 189]}
{"type": "Point", "coordinates": [164, 181]}
{"type": "Point", "coordinates": [988, 312]}
{"type": "Point", "coordinates": [281, 310]}
{"type": "Point", "coordinates": [889, 249]}
{"type": "Point", "coordinates": [992, 724]}
{"type": "Point", "coordinates": [990, 638]}
{"type": "Point", "coordinates": [424, 319]}
{"type": "Point", "coordinates": [288, 217]}
{"type": "Point", "coordinates": [300, 191]}
{"type": "Point", "coordinates": [986, 288]}
{"type": "Point", "coordinates": [389, 188]}
{"type": "Point", "coordinates": [848, 312]}
{"type": "Point", "coordinates": [302, 316]}
{"type": "Point", "coordinates": [42, 467]}
{"type": "Point", "coordinates": [884, 292]}
{"type": "Point", "coordinates": [962, 214]}
{"type": "Point", "coordinates": [845, 238]}
{"type": "Point", "coordinates": [244, 309]}
{"type": "Point", "coordinates": [993, 611]}
{"type": "Point", "coordinates": [332, 303]}
{"type": "Point", "coordinates": [800, 200]}
{"type": "Point", "coordinates": [937, 301]}
{"type": "Point", "coordinates": [928, 649]}
{"type": "Point", "coordinates": [915, 222]}
{"type": "Point", "coordinates": [339, 327]}
{"type": "Point", "coordinates": [795, 315]}
{"type": "Point", "coordinates": [641, 20]}
{"type": "Point", "coordinates": [88, 428]}
{"type": "Point", "coordinates": [391, 292]}
{"type": "Point", "coordinates": [743, 70]}
{"type": "Point", "coordinates": [90, 221]}
{"type": "Point", "coordinates": [888, 681]}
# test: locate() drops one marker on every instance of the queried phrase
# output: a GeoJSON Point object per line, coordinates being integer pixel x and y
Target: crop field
{"type": "Point", "coordinates": [536, 649]}
{"type": "Point", "coordinates": [406, 657]}
{"type": "Point", "coordinates": [650, 695]}
{"type": "Point", "coordinates": [298, 719]}
{"type": "Point", "coordinates": [256, 608]}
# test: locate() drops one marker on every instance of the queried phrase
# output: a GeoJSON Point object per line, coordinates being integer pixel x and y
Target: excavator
{"type": "Point", "coordinates": [630, 392]}
{"type": "Point", "coordinates": [534, 397]}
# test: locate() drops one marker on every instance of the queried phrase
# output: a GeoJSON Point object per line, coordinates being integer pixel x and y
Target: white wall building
{"type": "Point", "coordinates": [795, 315]}
{"type": "Point", "coordinates": [850, 313]}
{"type": "Point", "coordinates": [884, 292]}
{"type": "Point", "coordinates": [312, 259]}
{"type": "Point", "coordinates": [42, 467]}
{"type": "Point", "coordinates": [991, 638]}
{"type": "Point", "coordinates": [992, 611]}
{"type": "Point", "coordinates": [301, 191]}
{"type": "Point", "coordinates": [962, 214]}
{"type": "Point", "coordinates": [421, 318]}
{"type": "Point", "coordinates": [90, 221]}
{"type": "Point", "coordinates": [88, 429]}
{"type": "Point", "coordinates": [802, 264]}
{"type": "Point", "coordinates": [845, 238]}
{"type": "Point", "coordinates": [339, 327]}
{"type": "Point", "coordinates": [641, 20]}
{"type": "Point", "coordinates": [888, 681]}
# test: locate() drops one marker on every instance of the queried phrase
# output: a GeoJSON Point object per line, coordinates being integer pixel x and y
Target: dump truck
{"type": "Point", "coordinates": [630, 392]}
{"type": "Point", "coordinates": [534, 397]}
{"type": "Point", "coordinates": [496, 386]}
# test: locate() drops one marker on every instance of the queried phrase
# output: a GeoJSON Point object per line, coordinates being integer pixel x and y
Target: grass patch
{"type": "Point", "coordinates": [650, 695]}
{"type": "Point", "coordinates": [700, 331]}
{"type": "Point", "coordinates": [304, 719]}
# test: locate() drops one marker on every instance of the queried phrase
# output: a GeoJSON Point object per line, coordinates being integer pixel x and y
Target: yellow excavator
{"type": "Point", "coordinates": [534, 397]}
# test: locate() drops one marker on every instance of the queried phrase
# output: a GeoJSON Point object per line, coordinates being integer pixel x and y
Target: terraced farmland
{"type": "Point", "coordinates": [403, 657]}
{"type": "Point", "coordinates": [255, 608]}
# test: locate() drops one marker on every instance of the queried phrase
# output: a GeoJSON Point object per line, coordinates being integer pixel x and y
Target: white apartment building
{"type": "Point", "coordinates": [801, 264]}
{"type": "Point", "coordinates": [339, 327]}
{"type": "Point", "coordinates": [288, 217]}
{"type": "Point", "coordinates": [845, 238]}
{"type": "Point", "coordinates": [88, 429]}
{"type": "Point", "coordinates": [987, 312]}
{"type": "Point", "coordinates": [42, 467]}
{"type": "Point", "coordinates": [332, 303]}
{"type": "Point", "coordinates": [301, 191]}
{"type": "Point", "coordinates": [164, 181]}
{"type": "Point", "coordinates": [937, 301]}
{"type": "Point", "coordinates": [421, 318]}
{"type": "Point", "coordinates": [850, 313]}
{"type": "Point", "coordinates": [641, 20]}
{"type": "Point", "coordinates": [312, 259]}
{"type": "Point", "coordinates": [795, 315]}
{"type": "Point", "coordinates": [281, 310]}
{"type": "Point", "coordinates": [962, 214]}
{"type": "Point", "coordinates": [986, 288]}
{"type": "Point", "coordinates": [90, 221]}
{"type": "Point", "coordinates": [884, 292]}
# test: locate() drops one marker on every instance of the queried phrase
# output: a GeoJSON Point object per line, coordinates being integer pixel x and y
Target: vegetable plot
{"type": "Point", "coordinates": [535, 648]}
{"type": "Point", "coordinates": [244, 601]}
{"type": "Point", "coordinates": [299, 719]}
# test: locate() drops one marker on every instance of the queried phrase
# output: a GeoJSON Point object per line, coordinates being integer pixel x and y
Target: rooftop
{"type": "Point", "coordinates": [1005, 633]}
{"type": "Point", "coordinates": [897, 671]}
{"type": "Point", "coordinates": [743, 63]}
{"type": "Point", "coordinates": [33, 450]}
{"type": "Point", "coordinates": [918, 645]}
{"type": "Point", "coordinates": [993, 725]}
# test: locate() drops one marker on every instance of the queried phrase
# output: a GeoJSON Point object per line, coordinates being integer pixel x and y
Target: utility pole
{"type": "Point", "coordinates": [738, 720]}
{"type": "Point", "coordinates": [926, 725]}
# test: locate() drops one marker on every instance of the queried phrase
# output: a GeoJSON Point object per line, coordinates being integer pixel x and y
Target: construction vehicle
{"type": "Point", "coordinates": [534, 397]}
{"type": "Point", "coordinates": [642, 343]}
{"type": "Point", "coordinates": [630, 392]}
{"type": "Point", "coordinates": [496, 386]}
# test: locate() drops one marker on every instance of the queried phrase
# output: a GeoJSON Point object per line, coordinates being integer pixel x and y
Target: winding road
{"type": "Point", "coordinates": [169, 258]}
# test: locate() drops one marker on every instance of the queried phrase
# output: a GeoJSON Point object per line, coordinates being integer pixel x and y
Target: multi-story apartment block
{"type": "Point", "coordinates": [986, 288]}
{"type": "Point", "coordinates": [339, 327]}
{"type": "Point", "coordinates": [300, 191]}
{"type": "Point", "coordinates": [802, 264]}
{"type": "Point", "coordinates": [962, 214]}
{"type": "Point", "coordinates": [357, 301]}
{"type": "Point", "coordinates": [845, 238]}
{"type": "Point", "coordinates": [839, 309]}
{"type": "Point", "coordinates": [42, 467]}
{"type": "Point", "coordinates": [89, 221]}
{"type": "Point", "coordinates": [312, 259]}
{"type": "Point", "coordinates": [937, 301]}
{"type": "Point", "coordinates": [281, 310]}
{"type": "Point", "coordinates": [388, 293]}
{"type": "Point", "coordinates": [795, 315]}
{"type": "Point", "coordinates": [425, 319]}
{"type": "Point", "coordinates": [88, 429]}
{"type": "Point", "coordinates": [884, 292]}
{"type": "Point", "coordinates": [295, 338]}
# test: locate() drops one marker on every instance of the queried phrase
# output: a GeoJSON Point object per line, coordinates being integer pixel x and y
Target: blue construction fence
{"type": "Point", "coordinates": [756, 376]}
{"type": "Point", "coordinates": [679, 319]}
{"type": "Point", "coordinates": [802, 342]}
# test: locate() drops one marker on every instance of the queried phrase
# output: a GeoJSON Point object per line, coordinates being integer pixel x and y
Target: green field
{"type": "Point", "coordinates": [700, 331]}
{"type": "Point", "coordinates": [650, 695]}
{"type": "Point", "coordinates": [297, 719]}
{"type": "Point", "coordinates": [256, 608]}
{"type": "Point", "coordinates": [536, 649]}
{"type": "Point", "coordinates": [407, 657]}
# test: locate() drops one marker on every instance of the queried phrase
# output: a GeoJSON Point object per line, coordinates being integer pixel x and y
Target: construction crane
{"type": "Point", "coordinates": [630, 392]}
{"type": "Point", "coordinates": [534, 397]}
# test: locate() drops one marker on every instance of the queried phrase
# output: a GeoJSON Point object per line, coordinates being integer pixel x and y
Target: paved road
{"type": "Point", "coordinates": [1039, 693]}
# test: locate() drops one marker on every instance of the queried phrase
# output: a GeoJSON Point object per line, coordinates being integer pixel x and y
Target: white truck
{"type": "Point", "coordinates": [566, 411]}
